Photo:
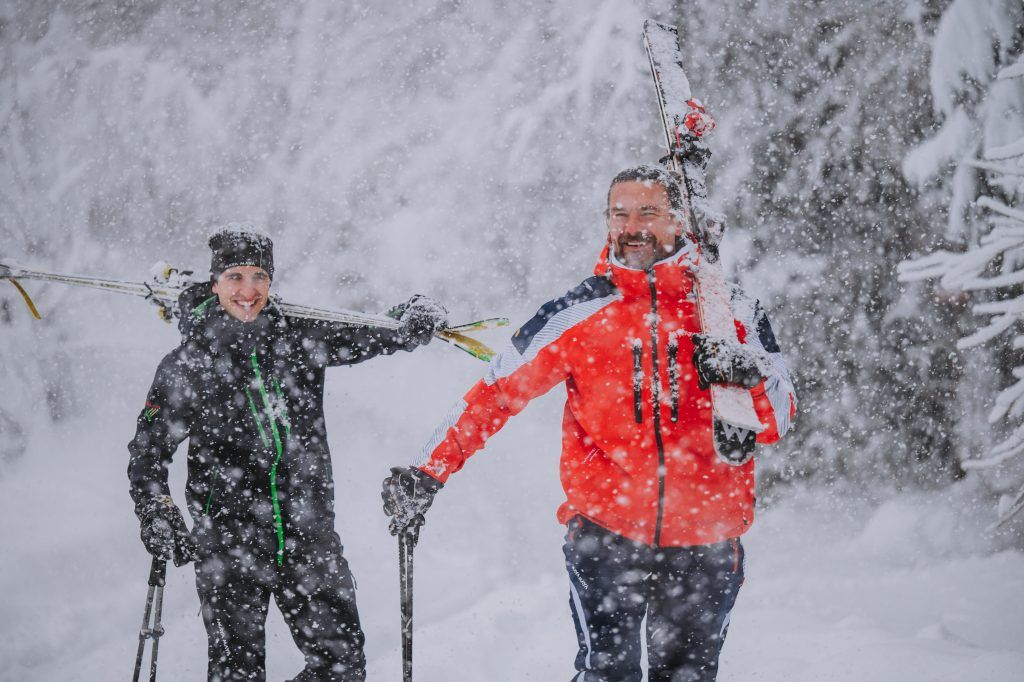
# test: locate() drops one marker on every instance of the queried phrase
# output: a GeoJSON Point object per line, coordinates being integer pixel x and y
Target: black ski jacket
{"type": "Point", "coordinates": [249, 397]}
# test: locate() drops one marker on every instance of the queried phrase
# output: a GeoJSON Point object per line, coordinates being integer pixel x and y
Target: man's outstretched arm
{"type": "Point", "coordinates": [162, 425]}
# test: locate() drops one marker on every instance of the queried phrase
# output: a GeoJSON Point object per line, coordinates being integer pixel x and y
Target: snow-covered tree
{"type": "Point", "coordinates": [976, 161]}
{"type": "Point", "coordinates": [817, 104]}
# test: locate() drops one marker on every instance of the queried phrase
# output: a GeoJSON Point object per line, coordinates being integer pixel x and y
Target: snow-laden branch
{"type": "Point", "coordinates": [1012, 71]}
{"type": "Point", "coordinates": [996, 168]}
{"type": "Point", "coordinates": [1001, 208]}
{"type": "Point", "coordinates": [1010, 401]}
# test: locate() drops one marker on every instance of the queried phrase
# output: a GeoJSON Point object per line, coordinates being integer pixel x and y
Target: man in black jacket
{"type": "Point", "coordinates": [245, 386]}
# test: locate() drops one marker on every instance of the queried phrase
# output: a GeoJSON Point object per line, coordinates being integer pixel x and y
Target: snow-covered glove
{"type": "Point", "coordinates": [420, 317]}
{"type": "Point", "coordinates": [721, 361]}
{"type": "Point", "coordinates": [408, 493]}
{"type": "Point", "coordinates": [165, 534]}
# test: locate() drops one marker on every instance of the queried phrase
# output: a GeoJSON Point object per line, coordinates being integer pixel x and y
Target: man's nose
{"type": "Point", "coordinates": [634, 225]}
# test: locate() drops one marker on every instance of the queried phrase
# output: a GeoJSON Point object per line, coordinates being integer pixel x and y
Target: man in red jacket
{"type": "Point", "coordinates": [654, 513]}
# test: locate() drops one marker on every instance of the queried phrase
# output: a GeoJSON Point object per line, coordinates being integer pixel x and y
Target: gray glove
{"type": "Point", "coordinates": [421, 317]}
{"type": "Point", "coordinates": [408, 494]}
{"type": "Point", "coordinates": [165, 534]}
{"type": "Point", "coordinates": [720, 361]}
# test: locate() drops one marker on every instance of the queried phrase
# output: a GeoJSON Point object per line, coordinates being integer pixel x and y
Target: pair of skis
{"type": "Point", "coordinates": [167, 284]}
{"type": "Point", "coordinates": [684, 121]}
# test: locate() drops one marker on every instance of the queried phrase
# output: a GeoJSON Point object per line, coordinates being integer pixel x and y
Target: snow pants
{"type": "Point", "coordinates": [686, 593]}
{"type": "Point", "coordinates": [316, 596]}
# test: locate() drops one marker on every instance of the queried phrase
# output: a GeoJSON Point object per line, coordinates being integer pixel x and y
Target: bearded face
{"type": "Point", "coordinates": [641, 225]}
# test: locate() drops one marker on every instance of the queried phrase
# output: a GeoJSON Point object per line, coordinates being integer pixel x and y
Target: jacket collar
{"type": "Point", "coordinates": [202, 320]}
{"type": "Point", "coordinates": [673, 275]}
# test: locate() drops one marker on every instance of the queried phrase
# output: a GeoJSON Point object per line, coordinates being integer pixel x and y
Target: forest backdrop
{"type": "Point", "coordinates": [463, 150]}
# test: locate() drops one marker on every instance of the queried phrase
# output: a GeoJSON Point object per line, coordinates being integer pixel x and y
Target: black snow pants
{"type": "Point", "coordinates": [316, 596]}
{"type": "Point", "coordinates": [686, 594]}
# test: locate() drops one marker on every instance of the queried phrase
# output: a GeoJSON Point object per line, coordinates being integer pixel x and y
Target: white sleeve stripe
{"type": "Point", "coordinates": [778, 386]}
{"type": "Point", "coordinates": [779, 389]}
{"type": "Point", "coordinates": [450, 420]}
{"type": "Point", "coordinates": [509, 360]}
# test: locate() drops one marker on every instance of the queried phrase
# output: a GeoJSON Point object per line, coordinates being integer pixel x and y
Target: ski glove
{"type": "Point", "coordinates": [408, 493]}
{"type": "Point", "coordinates": [720, 361]}
{"type": "Point", "coordinates": [165, 534]}
{"type": "Point", "coordinates": [421, 317]}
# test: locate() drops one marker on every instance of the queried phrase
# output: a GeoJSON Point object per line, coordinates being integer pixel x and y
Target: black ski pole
{"type": "Point", "coordinates": [406, 543]}
{"type": "Point", "coordinates": [154, 597]}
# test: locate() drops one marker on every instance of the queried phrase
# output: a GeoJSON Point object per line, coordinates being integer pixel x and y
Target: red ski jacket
{"type": "Point", "coordinates": [637, 451]}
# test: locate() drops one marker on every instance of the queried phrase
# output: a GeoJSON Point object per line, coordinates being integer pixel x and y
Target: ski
{"type": "Point", "coordinates": [167, 284]}
{"type": "Point", "coordinates": [684, 122]}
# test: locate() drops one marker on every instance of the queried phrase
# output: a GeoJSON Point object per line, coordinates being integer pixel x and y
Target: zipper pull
{"type": "Point", "coordinates": [673, 374]}
{"type": "Point", "coordinates": [638, 380]}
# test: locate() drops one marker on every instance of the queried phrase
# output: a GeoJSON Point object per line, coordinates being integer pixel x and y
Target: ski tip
{"type": "Point", "coordinates": [651, 24]}
{"type": "Point", "coordinates": [477, 349]}
{"type": "Point", "coordinates": [5, 271]}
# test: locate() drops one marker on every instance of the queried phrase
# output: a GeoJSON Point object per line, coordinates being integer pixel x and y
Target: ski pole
{"type": "Point", "coordinates": [406, 543]}
{"type": "Point", "coordinates": [155, 595]}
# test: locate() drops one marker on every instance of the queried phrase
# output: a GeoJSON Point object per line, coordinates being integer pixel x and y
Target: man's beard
{"type": "Point", "coordinates": [643, 258]}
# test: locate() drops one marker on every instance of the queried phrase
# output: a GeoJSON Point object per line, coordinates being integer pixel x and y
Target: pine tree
{"type": "Point", "coordinates": [976, 162]}
{"type": "Point", "coordinates": [821, 99]}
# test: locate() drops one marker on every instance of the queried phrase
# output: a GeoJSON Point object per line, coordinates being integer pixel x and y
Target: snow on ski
{"type": "Point", "coordinates": [679, 113]}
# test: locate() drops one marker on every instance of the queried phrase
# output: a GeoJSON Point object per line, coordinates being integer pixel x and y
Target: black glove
{"type": "Point", "coordinates": [420, 317]}
{"type": "Point", "coordinates": [734, 445]}
{"type": "Point", "coordinates": [719, 361]}
{"type": "Point", "coordinates": [165, 534]}
{"type": "Point", "coordinates": [408, 493]}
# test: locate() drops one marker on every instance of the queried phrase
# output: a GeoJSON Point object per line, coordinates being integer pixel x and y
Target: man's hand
{"type": "Point", "coordinates": [408, 493]}
{"type": "Point", "coordinates": [421, 317]}
{"type": "Point", "coordinates": [720, 361]}
{"type": "Point", "coordinates": [165, 534]}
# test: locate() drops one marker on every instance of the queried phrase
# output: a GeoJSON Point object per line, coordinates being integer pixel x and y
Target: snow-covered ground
{"type": "Point", "coordinates": [838, 588]}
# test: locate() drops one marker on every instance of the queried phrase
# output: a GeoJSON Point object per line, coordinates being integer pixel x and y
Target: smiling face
{"type": "Point", "coordinates": [641, 225]}
{"type": "Point", "coordinates": [243, 291]}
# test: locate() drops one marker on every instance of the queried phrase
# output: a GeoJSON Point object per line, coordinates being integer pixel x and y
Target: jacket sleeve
{"type": "Point", "coordinates": [775, 397]}
{"type": "Point", "coordinates": [515, 376]}
{"type": "Point", "coordinates": [332, 344]}
{"type": "Point", "coordinates": [164, 422]}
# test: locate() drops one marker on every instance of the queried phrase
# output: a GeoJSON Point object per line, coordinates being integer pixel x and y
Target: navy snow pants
{"type": "Point", "coordinates": [316, 596]}
{"type": "Point", "coordinates": [686, 593]}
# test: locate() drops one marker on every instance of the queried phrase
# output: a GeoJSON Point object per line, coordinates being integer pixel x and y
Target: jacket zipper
{"type": "Point", "coordinates": [278, 522]}
{"type": "Point", "coordinates": [638, 381]}
{"type": "Point", "coordinates": [656, 400]}
{"type": "Point", "coordinates": [673, 375]}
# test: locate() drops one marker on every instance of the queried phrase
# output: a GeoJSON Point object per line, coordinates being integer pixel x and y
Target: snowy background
{"type": "Point", "coordinates": [463, 150]}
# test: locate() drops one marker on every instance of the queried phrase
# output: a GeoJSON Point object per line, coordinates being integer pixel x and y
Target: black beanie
{"type": "Point", "coordinates": [240, 244]}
